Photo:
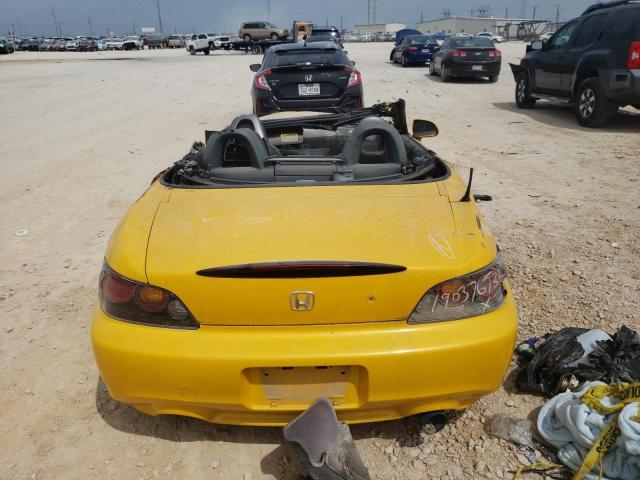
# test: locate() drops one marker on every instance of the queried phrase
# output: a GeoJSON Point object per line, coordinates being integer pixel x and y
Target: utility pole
{"type": "Point", "coordinates": [421, 17]}
{"type": "Point", "coordinates": [534, 13]}
{"type": "Point", "coordinates": [60, 28]}
{"type": "Point", "coordinates": [268, 10]}
{"type": "Point", "coordinates": [523, 8]}
{"type": "Point", "coordinates": [90, 27]}
{"type": "Point", "coordinates": [159, 15]}
{"type": "Point", "coordinates": [326, 23]}
{"type": "Point", "coordinates": [557, 14]}
{"type": "Point", "coordinates": [506, 12]}
{"type": "Point", "coordinates": [134, 27]}
{"type": "Point", "coordinates": [340, 23]}
{"type": "Point", "coordinates": [374, 11]}
{"type": "Point", "coordinates": [368, 12]}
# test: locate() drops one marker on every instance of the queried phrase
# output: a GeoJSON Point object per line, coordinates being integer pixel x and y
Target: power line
{"type": "Point", "coordinates": [55, 22]}
{"type": "Point", "coordinates": [159, 15]}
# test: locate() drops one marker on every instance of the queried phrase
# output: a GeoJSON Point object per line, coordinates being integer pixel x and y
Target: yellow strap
{"type": "Point", "coordinates": [600, 448]}
{"type": "Point", "coordinates": [537, 467]}
{"type": "Point", "coordinates": [625, 392]}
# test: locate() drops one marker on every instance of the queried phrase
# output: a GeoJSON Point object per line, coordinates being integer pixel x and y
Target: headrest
{"type": "Point", "coordinates": [396, 152]}
{"type": "Point", "coordinates": [243, 140]}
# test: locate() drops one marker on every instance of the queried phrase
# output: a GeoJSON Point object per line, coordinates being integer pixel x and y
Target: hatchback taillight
{"type": "Point", "coordinates": [633, 60]}
{"type": "Point", "coordinates": [261, 81]}
{"type": "Point", "coordinates": [354, 78]}
{"type": "Point", "coordinates": [495, 53]}
{"type": "Point", "coordinates": [412, 48]}
{"type": "Point", "coordinates": [459, 53]}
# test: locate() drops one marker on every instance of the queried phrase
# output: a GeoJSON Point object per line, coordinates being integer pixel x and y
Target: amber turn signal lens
{"type": "Point", "coordinates": [151, 299]}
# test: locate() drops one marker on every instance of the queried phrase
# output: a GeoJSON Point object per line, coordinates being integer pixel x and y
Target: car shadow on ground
{"type": "Point", "coordinates": [176, 428]}
{"type": "Point", "coordinates": [459, 80]}
{"type": "Point", "coordinates": [563, 116]}
{"type": "Point", "coordinates": [411, 65]}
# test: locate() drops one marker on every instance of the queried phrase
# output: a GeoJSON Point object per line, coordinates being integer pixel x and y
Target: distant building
{"type": "Point", "coordinates": [473, 25]}
{"type": "Point", "coordinates": [379, 27]}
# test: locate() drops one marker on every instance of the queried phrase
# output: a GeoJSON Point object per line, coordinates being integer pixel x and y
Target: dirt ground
{"type": "Point", "coordinates": [84, 133]}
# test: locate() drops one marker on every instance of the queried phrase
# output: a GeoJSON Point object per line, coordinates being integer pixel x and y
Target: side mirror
{"type": "Point", "coordinates": [537, 45]}
{"type": "Point", "coordinates": [254, 67]}
{"type": "Point", "coordinates": [352, 63]}
{"type": "Point", "coordinates": [436, 48]}
{"type": "Point", "coordinates": [424, 129]}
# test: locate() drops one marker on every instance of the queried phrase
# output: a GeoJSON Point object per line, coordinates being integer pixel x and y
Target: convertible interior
{"type": "Point", "coordinates": [359, 146]}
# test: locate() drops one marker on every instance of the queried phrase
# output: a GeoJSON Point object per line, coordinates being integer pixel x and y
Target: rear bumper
{"type": "Point", "coordinates": [396, 369]}
{"type": "Point", "coordinates": [463, 69]}
{"type": "Point", "coordinates": [418, 57]}
{"type": "Point", "coordinates": [622, 86]}
{"type": "Point", "coordinates": [266, 103]}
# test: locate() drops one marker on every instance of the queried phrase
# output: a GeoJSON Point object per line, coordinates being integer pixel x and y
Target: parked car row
{"type": "Point", "coordinates": [90, 44]}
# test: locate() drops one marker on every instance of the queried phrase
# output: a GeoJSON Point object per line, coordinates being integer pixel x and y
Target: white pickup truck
{"type": "Point", "coordinates": [200, 42]}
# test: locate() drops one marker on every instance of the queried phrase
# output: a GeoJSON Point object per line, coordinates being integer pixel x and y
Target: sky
{"type": "Point", "coordinates": [35, 17]}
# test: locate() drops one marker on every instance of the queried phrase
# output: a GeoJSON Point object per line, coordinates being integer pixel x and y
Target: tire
{"type": "Point", "coordinates": [274, 36]}
{"type": "Point", "coordinates": [206, 51]}
{"type": "Point", "coordinates": [392, 57]}
{"type": "Point", "coordinates": [246, 37]}
{"type": "Point", "coordinates": [212, 46]}
{"type": "Point", "coordinates": [494, 78]}
{"type": "Point", "coordinates": [592, 107]}
{"type": "Point", "coordinates": [432, 68]}
{"type": "Point", "coordinates": [404, 62]}
{"type": "Point", "coordinates": [256, 49]}
{"type": "Point", "coordinates": [192, 50]}
{"type": "Point", "coordinates": [523, 91]}
{"type": "Point", "coordinates": [445, 76]}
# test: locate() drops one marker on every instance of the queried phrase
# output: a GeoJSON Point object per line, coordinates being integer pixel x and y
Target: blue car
{"type": "Point", "coordinates": [413, 47]}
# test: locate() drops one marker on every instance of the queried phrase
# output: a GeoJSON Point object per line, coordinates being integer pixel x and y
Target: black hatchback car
{"type": "Point", "coordinates": [592, 62]}
{"type": "Point", "coordinates": [467, 57]}
{"type": "Point", "coordinates": [306, 76]}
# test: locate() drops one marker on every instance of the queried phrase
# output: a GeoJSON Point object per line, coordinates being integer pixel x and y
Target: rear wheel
{"type": "Point", "coordinates": [275, 36]}
{"type": "Point", "coordinates": [192, 50]}
{"type": "Point", "coordinates": [246, 37]}
{"type": "Point", "coordinates": [256, 49]}
{"type": "Point", "coordinates": [523, 92]}
{"type": "Point", "coordinates": [206, 51]}
{"type": "Point", "coordinates": [592, 107]}
{"type": "Point", "coordinates": [432, 68]}
{"type": "Point", "coordinates": [392, 57]}
{"type": "Point", "coordinates": [403, 62]}
{"type": "Point", "coordinates": [493, 78]}
{"type": "Point", "coordinates": [445, 76]}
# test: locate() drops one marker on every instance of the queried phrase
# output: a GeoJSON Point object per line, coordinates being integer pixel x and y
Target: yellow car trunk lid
{"type": "Point", "coordinates": [408, 226]}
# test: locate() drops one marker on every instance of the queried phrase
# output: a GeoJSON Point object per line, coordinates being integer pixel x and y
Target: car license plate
{"type": "Point", "coordinates": [476, 67]}
{"type": "Point", "coordinates": [308, 89]}
{"type": "Point", "coordinates": [425, 50]}
{"type": "Point", "coordinates": [303, 385]}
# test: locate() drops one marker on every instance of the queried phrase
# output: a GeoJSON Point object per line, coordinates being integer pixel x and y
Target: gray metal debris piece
{"type": "Point", "coordinates": [329, 452]}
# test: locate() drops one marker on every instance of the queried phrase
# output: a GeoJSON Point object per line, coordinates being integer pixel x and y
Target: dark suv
{"type": "Point", "coordinates": [327, 32]}
{"type": "Point", "coordinates": [592, 62]}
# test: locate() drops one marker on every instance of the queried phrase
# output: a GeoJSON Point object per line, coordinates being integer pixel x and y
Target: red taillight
{"type": "Point", "coordinates": [412, 48]}
{"type": "Point", "coordinates": [459, 53]}
{"type": "Point", "coordinates": [633, 60]}
{"type": "Point", "coordinates": [354, 78]}
{"type": "Point", "coordinates": [117, 289]}
{"type": "Point", "coordinates": [495, 53]}
{"type": "Point", "coordinates": [261, 81]}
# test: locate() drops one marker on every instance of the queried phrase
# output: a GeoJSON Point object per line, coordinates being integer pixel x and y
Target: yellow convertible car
{"type": "Point", "coordinates": [296, 258]}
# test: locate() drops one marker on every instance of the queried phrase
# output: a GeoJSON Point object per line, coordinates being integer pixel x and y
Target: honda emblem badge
{"type": "Point", "coordinates": [308, 78]}
{"type": "Point", "coordinates": [302, 301]}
